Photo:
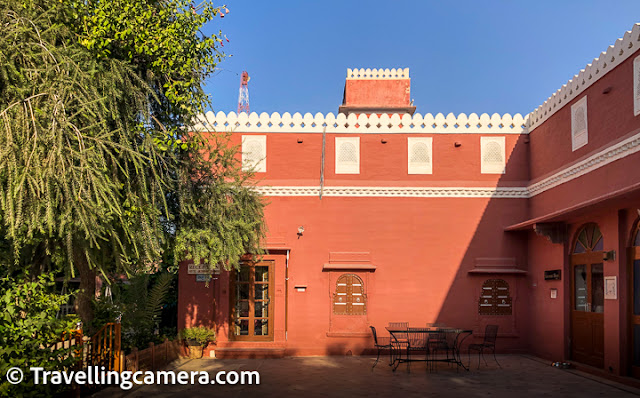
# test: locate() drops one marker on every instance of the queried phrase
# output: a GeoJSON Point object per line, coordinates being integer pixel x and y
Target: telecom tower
{"type": "Point", "coordinates": [243, 97]}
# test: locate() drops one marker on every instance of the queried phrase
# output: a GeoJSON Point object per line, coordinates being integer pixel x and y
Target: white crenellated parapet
{"type": "Point", "coordinates": [363, 73]}
{"type": "Point", "coordinates": [361, 124]}
{"type": "Point", "coordinates": [615, 54]}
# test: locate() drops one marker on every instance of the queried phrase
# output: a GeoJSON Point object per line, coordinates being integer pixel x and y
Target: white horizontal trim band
{"type": "Point", "coordinates": [606, 156]}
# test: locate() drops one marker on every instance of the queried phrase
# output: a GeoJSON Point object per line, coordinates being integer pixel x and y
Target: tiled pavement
{"type": "Point", "coordinates": [310, 377]}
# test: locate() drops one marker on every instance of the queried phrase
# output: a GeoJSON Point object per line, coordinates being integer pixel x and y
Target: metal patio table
{"type": "Point", "coordinates": [404, 341]}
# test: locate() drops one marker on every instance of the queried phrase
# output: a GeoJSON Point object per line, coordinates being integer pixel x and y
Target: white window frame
{"type": "Point", "coordinates": [347, 168]}
{"type": "Point", "coordinates": [420, 169]}
{"type": "Point", "coordinates": [492, 167]}
{"type": "Point", "coordinates": [636, 86]}
{"type": "Point", "coordinates": [579, 138]}
{"type": "Point", "coordinates": [247, 161]}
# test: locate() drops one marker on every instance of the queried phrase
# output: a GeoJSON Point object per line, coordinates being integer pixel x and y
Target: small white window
{"type": "Point", "coordinates": [579, 127]}
{"type": "Point", "coordinates": [347, 155]}
{"type": "Point", "coordinates": [492, 153]}
{"type": "Point", "coordinates": [420, 155]}
{"type": "Point", "coordinates": [636, 86]}
{"type": "Point", "coordinates": [254, 153]}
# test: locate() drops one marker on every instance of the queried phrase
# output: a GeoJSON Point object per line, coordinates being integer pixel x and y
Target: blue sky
{"type": "Point", "coordinates": [464, 56]}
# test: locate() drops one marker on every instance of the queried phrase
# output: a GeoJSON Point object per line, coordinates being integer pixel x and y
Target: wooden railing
{"type": "Point", "coordinates": [104, 348]}
{"type": "Point", "coordinates": [153, 358]}
{"type": "Point", "coordinates": [72, 342]}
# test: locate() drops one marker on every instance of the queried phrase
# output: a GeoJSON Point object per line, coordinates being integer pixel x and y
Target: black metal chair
{"type": "Point", "coordinates": [399, 343]}
{"type": "Point", "coordinates": [489, 343]}
{"type": "Point", "coordinates": [438, 341]}
{"type": "Point", "coordinates": [381, 343]}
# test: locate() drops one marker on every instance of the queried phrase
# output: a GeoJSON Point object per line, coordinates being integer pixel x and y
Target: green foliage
{"type": "Point", "coordinates": [98, 169]}
{"type": "Point", "coordinates": [139, 303]}
{"type": "Point", "coordinates": [29, 330]}
{"type": "Point", "coordinates": [200, 334]}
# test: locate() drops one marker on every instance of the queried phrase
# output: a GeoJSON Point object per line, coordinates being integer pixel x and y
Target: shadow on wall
{"type": "Point", "coordinates": [492, 260]}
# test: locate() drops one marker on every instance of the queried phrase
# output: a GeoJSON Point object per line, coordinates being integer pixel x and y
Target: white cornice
{"type": "Point", "coordinates": [608, 155]}
{"type": "Point", "coordinates": [398, 192]}
{"type": "Point", "coordinates": [602, 158]}
{"type": "Point", "coordinates": [362, 124]}
{"type": "Point", "coordinates": [362, 73]}
{"type": "Point", "coordinates": [607, 61]}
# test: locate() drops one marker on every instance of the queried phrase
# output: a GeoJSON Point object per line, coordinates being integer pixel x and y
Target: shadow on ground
{"type": "Point", "coordinates": [352, 376]}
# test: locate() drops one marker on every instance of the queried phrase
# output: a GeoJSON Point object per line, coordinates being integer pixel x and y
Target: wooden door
{"type": "Point", "coordinates": [587, 298]}
{"type": "Point", "coordinates": [634, 308]}
{"type": "Point", "coordinates": [252, 304]}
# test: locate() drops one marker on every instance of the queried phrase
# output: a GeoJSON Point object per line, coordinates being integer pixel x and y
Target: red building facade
{"type": "Point", "coordinates": [381, 215]}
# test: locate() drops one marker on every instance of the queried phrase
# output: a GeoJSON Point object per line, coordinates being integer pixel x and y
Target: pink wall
{"type": "Point", "coordinates": [377, 92]}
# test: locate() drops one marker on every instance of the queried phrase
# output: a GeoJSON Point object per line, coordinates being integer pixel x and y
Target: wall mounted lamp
{"type": "Point", "coordinates": [384, 141]}
{"type": "Point", "coordinates": [609, 256]}
{"type": "Point", "coordinates": [300, 231]}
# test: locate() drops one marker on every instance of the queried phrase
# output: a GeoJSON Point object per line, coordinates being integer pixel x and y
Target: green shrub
{"type": "Point", "coordinates": [29, 329]}
{"type": "Point", "coordinates": [201, 334]}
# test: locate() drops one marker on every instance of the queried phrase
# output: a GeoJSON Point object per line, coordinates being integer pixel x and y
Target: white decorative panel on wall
{"type": "Point", "coordinates": [579, 127]}
{"type": "Point", "coordinates": [492, 153]}
{"type": "Point", "coordinates": [420, 159]}
{"type": "Point", "coordinates": [347, 155]}
{"type": "Point", "coordinates": [636, 86]}
{"type": "Point", "coordinates": [254, 153]}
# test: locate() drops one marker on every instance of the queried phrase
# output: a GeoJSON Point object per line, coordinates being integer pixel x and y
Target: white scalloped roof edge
{"type": "Point", "coordinates": [308, 123]}
{"type": "Point", "coordinates": [362, 73]}
{"type": "Point", "coordinates": [607, 61]}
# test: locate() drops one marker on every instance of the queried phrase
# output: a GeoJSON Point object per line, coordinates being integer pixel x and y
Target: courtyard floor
{"type": "Point", "coordinates": [310, 377]}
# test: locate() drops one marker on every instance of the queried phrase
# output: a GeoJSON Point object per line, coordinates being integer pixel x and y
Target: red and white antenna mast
{"type": "Point", "coordinates": [243, 97]}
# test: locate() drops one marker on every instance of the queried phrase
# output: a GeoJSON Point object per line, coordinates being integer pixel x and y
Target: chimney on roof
{"type": "Point", "coordinates": [377, 91]}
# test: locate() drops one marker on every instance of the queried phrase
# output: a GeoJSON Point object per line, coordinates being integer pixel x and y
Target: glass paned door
{"type": "Point", "coordinates": [252, 311]}
{"type": "Point", "coordinates": [587, 315]}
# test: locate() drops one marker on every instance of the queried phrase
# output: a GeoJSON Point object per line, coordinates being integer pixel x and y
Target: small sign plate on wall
{"type": "Point", "coordinates": [203, 278]}
{"type": "Point", "coordinates": [610, 287]}
{"type": "Point", "coordinates": [553, 275]}
{"type": "Point", "coordinates": [199, 269]}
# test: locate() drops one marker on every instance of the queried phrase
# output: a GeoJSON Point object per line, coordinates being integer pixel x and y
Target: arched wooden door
{"type": "Point", "coordinates": [587, 297]}
{"type": "Point", "coordinates": [634, 309]}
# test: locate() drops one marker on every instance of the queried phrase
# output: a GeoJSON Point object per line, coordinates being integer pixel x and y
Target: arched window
{"type": "Point", "coordinates": [589, 240]}
{"type": "Point", "coordinates": [254, 153]}
{"type": "Point", "coordinates": [492, 155]}
{"type": "Point", "coordinates": [349, 297]}
{"type": "Point", "coordinates": [495, 298]}
{"type": "Point", "coordinates": [347, 155]}
{"type": "Point", "coordinates": [493, 152]}
{"type": "Point", "coordinates": [579, 127]}
{"type": "Point", "coordinates": [419, 149]}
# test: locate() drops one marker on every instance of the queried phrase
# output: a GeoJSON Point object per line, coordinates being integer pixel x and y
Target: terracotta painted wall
{"type": "Point", "coordinates": [378, 92]}
{"type": "Point", "coordinates": [610, 116]}
{"type": "Point", "coordinates": [385, 164]}
{"type": "Point", "coordinates": [547, 315]}
{"type": "Point", "coordinates": [423, 250]}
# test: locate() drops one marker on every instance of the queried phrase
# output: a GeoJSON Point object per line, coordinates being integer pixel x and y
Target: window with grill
{"type": "Point", "coordinates": [254, 153]}
{"type": "Point", "coordinates": [636, 86]}
{"type": "Point", "coordinates": [349, 297]}
{"type": "Point", "coordinates": [347, 155]}
{"type": "Point", "coordinates": [495, 298]}
{"type": "Point", "coordinates": [492, 153]}
{"type": "Point", "coordinates": [420, 159]}
{"type": "Point", "coordinates": [579, 127]}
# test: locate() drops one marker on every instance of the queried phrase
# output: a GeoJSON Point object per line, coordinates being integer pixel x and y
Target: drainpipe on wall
{"type": "Point", "coordinates": [324, 140]}
{"type": "Point", "coordinates": [286, 297]}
